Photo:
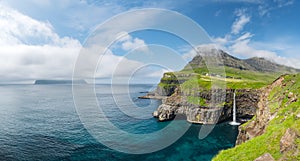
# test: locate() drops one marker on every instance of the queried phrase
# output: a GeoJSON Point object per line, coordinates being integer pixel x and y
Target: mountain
{"type": "Point", "coordinates": [263, 65]}
{"type": "Point", "coordinates": [225, 59]}
{"type": "Point", "coordinates": [237, 73]}
{"type": "Point", "coordinates": [252, 64]}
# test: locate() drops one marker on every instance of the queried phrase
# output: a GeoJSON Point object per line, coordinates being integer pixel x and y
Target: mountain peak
{"type": "Point", "coordinates": [259, 64]}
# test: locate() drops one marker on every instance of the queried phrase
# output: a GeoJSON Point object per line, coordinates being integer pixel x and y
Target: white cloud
{"type": "Point", "coordinates": [30, 49]}
{"type": "Point", "coordinates": [36, 62]}
{"type": "Point", "coordinates": [203, 49]}
{"type": "Point", "coordinates": [116, 66]}
{"type": "Point", "coordinates": [239, 23]}
{"type": "Point", "coordinates": [113, 31]}
{"type": "Point", "coordinates": [245, 36]}
{"type": "Point", "coordinates": [283, 3]}
{"type": "Point", "coordinates": [158, 73]}
{"type": "Point", "coordinates": [16, 28]}
{"type": "Point", "coordinates": [222, 40]}
{"type": "Point", "coordinates": [244, 48]}
{"type": "Point", "coordinates": [241, 44]}
{"type": "Point", "coordinates": [133, 44]}
{"type": "Point", "coordinates": [69, 17]}
{"type": "Point", "coordinates": [266, 7]}
{"type": "Point", "coordinates": [189, 55]}
{"type": "Point", "coordinates": [129, 43]}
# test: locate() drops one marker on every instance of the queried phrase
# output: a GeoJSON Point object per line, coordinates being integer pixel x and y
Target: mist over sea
{"type": "Point", "coordinates": [39, 122]}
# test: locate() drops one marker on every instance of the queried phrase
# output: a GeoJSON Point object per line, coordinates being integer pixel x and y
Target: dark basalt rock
{"type": "Point", "coordinates": [246, 103]}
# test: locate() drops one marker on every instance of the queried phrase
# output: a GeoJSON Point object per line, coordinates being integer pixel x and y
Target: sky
{"type": "Point", "coordinates": [42, 39]}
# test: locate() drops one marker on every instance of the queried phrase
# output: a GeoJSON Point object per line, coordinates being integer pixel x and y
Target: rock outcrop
{"type": "Point", "coordinates": [177, 104]}
{"type": "Point", "coordinates": [265, 157]}
{"type": "Point", "coordinates": [263, 116]}
{"type": "Point", "coordinates": [287, 142]}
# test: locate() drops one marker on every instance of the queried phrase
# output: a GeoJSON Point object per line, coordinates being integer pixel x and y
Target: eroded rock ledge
{"type": "Point", "coordinates": [177, 105]}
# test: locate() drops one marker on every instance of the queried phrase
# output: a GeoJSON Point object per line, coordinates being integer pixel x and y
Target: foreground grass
{"type": "Point", "coordinates": [285, 118]}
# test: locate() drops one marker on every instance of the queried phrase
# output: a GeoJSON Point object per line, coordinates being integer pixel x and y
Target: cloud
{"type": "Point", "coordinates": [127, 43]}
{"type": "Point", "coordinates": [111, 65]}
{"type": "Point", "coordinates": [245, 36]}
{"type": "Point", "coordinates": [78, 18]}
{"type": "Point", "coordinates": [283, 3]}
{"type": "Point", "coordinates": [24, 62]}
{"type": "Point", "coordinates": [266, 7]}
{"type": "Point", "coordinates": [242, 48]}
{"type": "Point", "coordinates": [241, 20]}
{"type": "Point", "coordinates": [70, 18]}
{"type": "Point", "coordinates": [158, 73]}
{"type": "Point", "coordinates": [242, 45]}
{"type": "Point", "coordinates": [17, 28]}
{"type": "Point", "coordinates": [203, 49]}
{"type": "Point", "coordinates": [30, 49]}
{"type": "Point", "coordinates": [246, 49]}
{"type": "Point", "coordinates": [133, 44]}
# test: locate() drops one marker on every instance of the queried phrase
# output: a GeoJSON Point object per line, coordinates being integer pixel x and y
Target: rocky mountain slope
{"type": "Point", "coordinates": [274, 133]}
{"type": "Point", "coordinates": [252, 64]}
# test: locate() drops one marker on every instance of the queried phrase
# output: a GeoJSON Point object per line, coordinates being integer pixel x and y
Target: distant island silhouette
{"type": "Point", "coordinates": [81, 81]}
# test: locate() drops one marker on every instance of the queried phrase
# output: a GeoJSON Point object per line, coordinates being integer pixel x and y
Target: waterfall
{"type": "Point", "coordinates": [234, 112]}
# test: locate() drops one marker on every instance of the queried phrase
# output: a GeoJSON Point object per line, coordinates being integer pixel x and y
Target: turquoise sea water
{"type": "Point", "coordinates": [39, 122]}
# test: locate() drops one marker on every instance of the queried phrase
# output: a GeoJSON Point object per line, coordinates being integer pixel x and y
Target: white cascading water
{"type": "Point", "coordinates": [234, 112]}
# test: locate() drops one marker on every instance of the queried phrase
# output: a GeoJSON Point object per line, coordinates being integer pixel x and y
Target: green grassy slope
{"type": "Point", "coordinates": [286, 117]}
{"type": "Point", "coordinates": [200, 79]}
{"type": "Point", "coordinates": [224, 71]}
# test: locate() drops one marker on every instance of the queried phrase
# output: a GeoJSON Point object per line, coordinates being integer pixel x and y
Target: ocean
{"type": "Point", "coordinates": [40, 122]}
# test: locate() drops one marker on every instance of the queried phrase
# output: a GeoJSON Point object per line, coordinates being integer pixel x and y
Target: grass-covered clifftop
{"type": "Point", "coordinates": [230, 72]}
{"type": "Point", "coordinates": [203, 90]}
{"type": "Point", "coordinates": [276, 128]}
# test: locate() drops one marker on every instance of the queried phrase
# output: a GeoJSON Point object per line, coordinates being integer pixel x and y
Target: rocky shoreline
{"type": "Point", "coordinates": [152, 96]}
{"type": "Point", "coordinates": [177, 105]}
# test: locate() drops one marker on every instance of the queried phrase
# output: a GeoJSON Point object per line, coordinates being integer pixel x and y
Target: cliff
{"type": "Point", "coordinates": [274, 132]}
{"type": "Point", "coordinates": [189, 92]}
{"type": "Point", "coordinates": [200, 112]}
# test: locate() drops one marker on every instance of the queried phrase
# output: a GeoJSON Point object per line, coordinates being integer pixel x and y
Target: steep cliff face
{"type": "Point", "coordinates": [274, 132]}
{"type": "Point", "coordinates": [201, 112]}
{"type": "Point", "coordinates": [263, 116]}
